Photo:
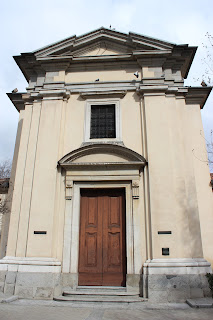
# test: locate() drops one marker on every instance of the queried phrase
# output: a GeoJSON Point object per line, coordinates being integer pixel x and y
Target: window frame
{"type": "Point", "coordinates": [87, 126]}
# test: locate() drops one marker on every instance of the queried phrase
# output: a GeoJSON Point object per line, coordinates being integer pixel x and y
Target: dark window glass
{"type": "Point", "coordinates": [102, 121]}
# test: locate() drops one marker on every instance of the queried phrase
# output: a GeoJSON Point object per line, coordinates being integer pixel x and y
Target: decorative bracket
{"type": "Point", "coordinates": [69, 189]}
{"type": "Point", "coordinates": [135, 189]}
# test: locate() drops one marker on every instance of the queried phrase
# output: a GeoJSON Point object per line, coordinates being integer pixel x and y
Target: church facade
{"type": "Point", "coordinates": [108, 188]}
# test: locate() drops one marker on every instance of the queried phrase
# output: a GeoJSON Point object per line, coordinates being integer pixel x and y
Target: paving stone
{"type": "Point", "coordinates": [24, 292]}
{"type": "Point", "coordinates": [45, 293]}
{"type": "Point", "coordinates": [158, 296]}
{"type": "Point", "coordinates": [195, 281]}
{"type": "Point", "coordinates": [2, 276]}
{"type": "Point", "coordinates": [1, 286]}
{"type": "Point", "coordinates": [11, 277]}
{"type": "Point", "coordinates": [9, 289]}
{"type": "Point", "coordinates": [96, 315]}
{"type": "Point", "coordinates": [157, 282]}
{"type": "Point", "coordinates": [196, 293]}
{"type": "Point", "coordinates": [34, 279]}
{"type": "Point", "coordinates": [69, 280]}
{"type": "Point", "coordinates": [176, 295]}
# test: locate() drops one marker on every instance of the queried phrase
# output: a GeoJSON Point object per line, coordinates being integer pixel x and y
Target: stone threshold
{"type": "Point", "coordinates": [100, 298]}
{"type": "Point", "coordinates": [200, 302]}
{"type": "Point", "coordinates": [102, 293]}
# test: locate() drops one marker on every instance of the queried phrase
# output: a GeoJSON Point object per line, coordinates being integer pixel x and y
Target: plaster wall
{"type": "Point", "coordinates": [50, 131]}
{"type": "Point", "coordinates": [130, 122]}
{"type": "Point", "coordinates": [86, 74]}
{"type": "Point", "coordinates": [44, 181]}
{"type": "Point", "coordinates": [18, 184]}
{"type": "Point", "coordinates": [6, 217]}
{"type": "Point", "coordinates": [124, 73]}
{"type": "Point", "coordinates": [51, 125]}
{"type": "Point", "coordinates": [173, 196]}
{"type": "Point", "coordinates": [201, 171]}
{"type": "Point", "coordinates": [103, 75]}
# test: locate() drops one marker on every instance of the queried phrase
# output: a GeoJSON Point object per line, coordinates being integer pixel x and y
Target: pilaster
{"type": "Point", "coordinates": [28, 181]}
{"type": "Point", "coordinates": [19, 181]}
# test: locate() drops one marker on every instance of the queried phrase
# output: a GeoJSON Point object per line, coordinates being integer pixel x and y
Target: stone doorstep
{"type": "Point", "coordinates": [102, 293]}
{"type": "Point", "coordinates": [200, 302]}
{"type": "Point", "coordinates": [100, 288]}
{"type": "Point", "coordinates": [99, 294]}
{"type": "Point", "coordinates": [100, 298]}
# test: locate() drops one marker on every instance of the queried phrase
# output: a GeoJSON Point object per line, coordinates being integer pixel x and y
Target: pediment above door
{"type": "Point", "coordinates": [103, 155]}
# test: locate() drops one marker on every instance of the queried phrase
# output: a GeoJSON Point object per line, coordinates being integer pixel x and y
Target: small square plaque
{"type": "Point", "coordinates": [165, 251]}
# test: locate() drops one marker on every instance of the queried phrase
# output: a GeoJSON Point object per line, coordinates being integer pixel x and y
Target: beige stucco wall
{"type": "Point", "coordinates": [202, 178]}
{"type": "Point", "coordinates": [44, 180]}
{"type": "Point", "coordinates": [103, 72]}
{"type": "Point", "coordinates": [180, 199]}
{"type": "Point", "coordinates": [130, 123]}
{"type": "Point", "coordinates": [173, 194]}
{"type": "Point", "coordinates": [6, 217]}
{"type": "Point", "coordinates": [50, 131]}
{"type": "Point", "coordinates": [26, 116]}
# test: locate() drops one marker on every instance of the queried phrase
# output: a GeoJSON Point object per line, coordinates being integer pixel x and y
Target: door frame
{"type": "Point", "coordinates": [72, 225]}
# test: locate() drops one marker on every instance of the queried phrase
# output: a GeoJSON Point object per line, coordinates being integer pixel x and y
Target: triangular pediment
{"type": "Point", "coordinates": [104, 45]}
{"type": "Point", "coordinates": [103, 42]}
{"type": "Point", "coordinates": [100, 48]}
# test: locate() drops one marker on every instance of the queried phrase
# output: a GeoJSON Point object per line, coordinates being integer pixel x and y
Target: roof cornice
{"type": "Point", "coordinates": [137, 47]}
{"type": "Point", "coordinates": [198, 95]}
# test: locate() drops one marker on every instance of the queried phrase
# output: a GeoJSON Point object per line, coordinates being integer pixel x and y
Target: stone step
{"type": "Point", "coordinates": [100, 288]}
{"type": "Point", "coordinates": [98, 293]}
{"type": "Point", "coordinates": [100, 298]}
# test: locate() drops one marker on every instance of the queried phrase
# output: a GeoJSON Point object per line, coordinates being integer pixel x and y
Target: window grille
{"type": "Point", "coordinates": [102, 121]}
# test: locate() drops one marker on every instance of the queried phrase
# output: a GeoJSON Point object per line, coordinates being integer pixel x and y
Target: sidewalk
{"type": "Point", "coordinates": [53, 310]}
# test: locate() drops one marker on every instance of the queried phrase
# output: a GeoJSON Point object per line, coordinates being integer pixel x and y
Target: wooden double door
{"type": "Point", "coordinates": [102, 246]}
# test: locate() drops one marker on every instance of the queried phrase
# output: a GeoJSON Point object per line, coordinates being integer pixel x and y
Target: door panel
{"type": "Point", "coordinates": [102, 251]}
{"type": "Point", "coordinates": [91, 249]}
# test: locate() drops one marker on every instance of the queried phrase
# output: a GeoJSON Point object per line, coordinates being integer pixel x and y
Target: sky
{"type": "Point", "coordinates": [29, 25]}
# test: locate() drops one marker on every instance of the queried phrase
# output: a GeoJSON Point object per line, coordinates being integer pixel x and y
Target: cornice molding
{"type": "Point", "coordinates": [56, 94]}
{"type": "Point", "coordinates": [103, 93]}
{"type": "Point", "coordinates": [21, 99]}
{"type": "Point", "coordinates": [62, 91]}
{"type": "Point", "coordinates": [103, 165]}
{"type": "Point", "coordinates": [192, 95]}
{"type": "Point", "coordinates": [198, 95]}
{"type": "Point", "coordinates": [17, 100]}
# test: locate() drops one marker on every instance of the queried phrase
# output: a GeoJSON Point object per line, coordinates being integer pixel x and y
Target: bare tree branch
{"type": "Point", "coordinates": [5, 170]}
